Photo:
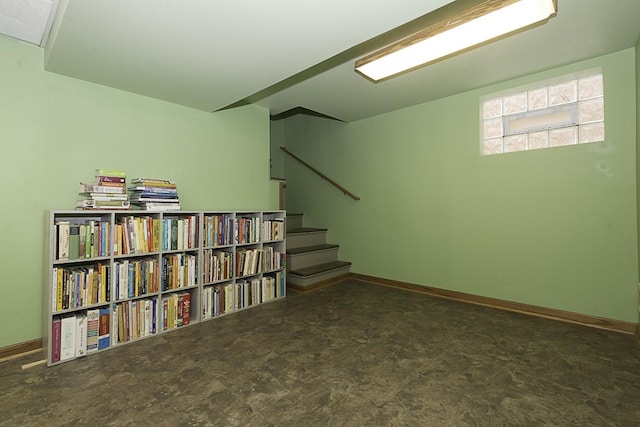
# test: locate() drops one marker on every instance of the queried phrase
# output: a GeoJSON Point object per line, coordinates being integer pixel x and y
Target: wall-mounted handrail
{"type": "Point", "coordinates": [321, 175]}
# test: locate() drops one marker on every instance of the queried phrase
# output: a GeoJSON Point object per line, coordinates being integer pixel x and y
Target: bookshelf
{"type": "Point", "coordinates": [116, 277]}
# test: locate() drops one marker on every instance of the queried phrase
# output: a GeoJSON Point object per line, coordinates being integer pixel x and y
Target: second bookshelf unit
{"type": "Point", "coordinates": [119, 276]}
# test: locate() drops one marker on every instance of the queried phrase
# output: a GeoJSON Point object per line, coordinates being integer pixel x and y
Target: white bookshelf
{"type": "Point", "coordinates": [152, 272]}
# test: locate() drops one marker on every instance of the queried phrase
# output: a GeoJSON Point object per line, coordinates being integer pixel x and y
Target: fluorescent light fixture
{"type": "Point", "coordinates": [27, 20]}
{"type": "Point", "coordinates": [484, 22]}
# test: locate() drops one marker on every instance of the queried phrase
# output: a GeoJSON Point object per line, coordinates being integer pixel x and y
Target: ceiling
{"type": "Point", "coordinates": [288, 54]}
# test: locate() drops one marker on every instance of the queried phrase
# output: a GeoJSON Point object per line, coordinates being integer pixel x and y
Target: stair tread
{"type": "Point", "coordinates": [320, 268]}
{"type": "Point", "coordinates": [312, 248]}
{"type": "Point", "coordinates": [303, 230]}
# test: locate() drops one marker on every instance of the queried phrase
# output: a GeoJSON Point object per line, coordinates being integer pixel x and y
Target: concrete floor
{"type": "Point", "coordinates": [349, 355]}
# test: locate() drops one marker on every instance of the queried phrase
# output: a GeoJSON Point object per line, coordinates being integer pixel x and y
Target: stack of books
{"type": "Point", "coordinates": [154, 194]}
{"type": "Point", "coordinates": [107, 192]}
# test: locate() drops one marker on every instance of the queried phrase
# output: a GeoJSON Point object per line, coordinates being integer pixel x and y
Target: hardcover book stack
{"type": "Point", "coordinates": [154, 194]}
{"type": "Point", "coordinates": [107, 192]}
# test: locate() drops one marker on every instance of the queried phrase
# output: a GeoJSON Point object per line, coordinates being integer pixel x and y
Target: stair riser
{"type": "Point", "coordinates": [294, 221]}
{"type": "Point", "coordinates": [300, 240]}
{"type": "Point", "coordinates": [307, 259]}
{"type": "Point", "coordinates": [310, 280]}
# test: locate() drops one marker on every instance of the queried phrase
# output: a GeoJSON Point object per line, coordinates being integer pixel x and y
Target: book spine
{"type": "Point", "coordinates": [63, 231]}
{"type": "Point", "coordinates": [179, 306]}
{"type": "Point", "coordinates": [55, 339]}
{"type": "Point", "coordinates": [111, 173]}
{"type": "Point", "coordinates": [114, 325]}
{"type": "Point", "coordinates": [81, 335]}
{"type": "Point", "coordinates": [54, 289]}
{"type": "Point", "coordinates": [103, 329]}
{"type": "Point", "coordinates": [186, 308]}
{"type": "Point", "coordinates": [121, 186]}
{"type": "Point", "coordinates": [102, 189]}
{"type": "Point", "coordinates": [67, 338]}
{"type": "Point", "coordinates": [122, 337]}
{"type": "Point", "coordinates": [93, 327]}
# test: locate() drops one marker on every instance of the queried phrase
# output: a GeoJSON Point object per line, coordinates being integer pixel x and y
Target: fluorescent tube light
{"type": "Point", "coordinates": [482, 23]}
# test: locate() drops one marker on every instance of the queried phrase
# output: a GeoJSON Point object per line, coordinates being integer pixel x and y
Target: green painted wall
{"type": "Point", "coordinates": [638, 161]}
{"type": "Point", "coordinates": [553, 228]}
{"type": "Point", "coordinates": [277, 155]}
{"type": "Point", "coordinates": [56, 131]}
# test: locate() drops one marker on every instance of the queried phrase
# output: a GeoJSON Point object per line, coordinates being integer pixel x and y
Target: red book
{"type": "Point", "coordinates": [186, 308]}
{"type": "Point", "coordinates": [56, 335]}
{"type": "Point", "coordinates": [121, 185]}
{"type": "Point", "coordinates": [165, 313]}
{"type": "Point", "coordinates": [102, 178]}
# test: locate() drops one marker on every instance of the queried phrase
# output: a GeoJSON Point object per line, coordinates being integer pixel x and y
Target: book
{"type": "Point", "coordinates": [101, 189]}
{"type": "Point", "coordinates": [152, 182]}
{"type": "Point", "coordinates": [179, 307]}
{"type": "Point", "coordinates": [81, 335]}
{"type": "Point", "coordinates": [122, 186]}
{"type": "Point", "coordinates": [62, 235]}
{"type": "Point", "coordinates": [55, 339]}
{"type": "Point", "coordinates": [114, 325]}
{"type": "Point", "coordinates": [54, 289]}
{"type": "Point", "coordinates": [135, 320]}
{"type": "Point", "coordinates": [186, 308]}
{"type": "Point", "coordinates": [154, 308]}
{"type": "Point", "coordinates": [128, 320]}
{"type": "Point", "coordinates": [111, 173]}
{"type": "Point", "coordinates": [74, 241]}
{"type": "Point", "coordinates": [174, 235]}
{"type": "Point", "coordinates": [150, 191]}
{"type": "Point", "coordinates": [156, 206]}
{"type": "Point", "coordinates": [93, 328]}
{"type": "Point", "coordinates": [60, 289]}
{"type": "Point", "coordinates": [103, 204]}
{"type": "Point", "coordinates": [104, 179]}
{"type": "Point", "coordinates": [103, 329]}
{"type": "Point", "coordinates": [82, 244]}
{"type": "Point", "coordinates": [67, 338]}
{"type": "Point", "coordinates": [105, 197]}
{"type": "Point", "coordinates": [122, 319]}
{"type": "Point", "coordinates": [147, 317]}
{"type": "Point", "coordinates": [89, 224]}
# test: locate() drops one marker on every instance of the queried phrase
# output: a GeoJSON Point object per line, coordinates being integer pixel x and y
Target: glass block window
{"type": "Point", "coordinates": [566, 111]}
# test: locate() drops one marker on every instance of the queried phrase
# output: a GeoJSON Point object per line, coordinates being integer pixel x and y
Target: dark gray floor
{"type": "Point", "coordinates": [349, 355]}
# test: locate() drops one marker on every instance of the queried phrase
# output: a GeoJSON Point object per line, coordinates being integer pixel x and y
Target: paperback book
{"type": "Point", "coordinates": [107, 192]}
{"type": "Point", "coordinates": [154, 194]}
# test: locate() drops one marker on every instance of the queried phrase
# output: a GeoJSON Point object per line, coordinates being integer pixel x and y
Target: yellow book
{"type": "Point", "coordinates": [156, 234]}
{"type": "Point", "coordinates": [60, 273]}
{"type": "Point", "coordinates": [141, 239]}
{"type": "Point", "coordinates": [136, 283]}
{"type": "Point", "coordinates": [170, 313]}
{"type": "Point", "coordinates": [174, 317]}
{"type": "Point", "coordinates": [118, 239]}
{"type": "Point", "coordinates": [103, 282]}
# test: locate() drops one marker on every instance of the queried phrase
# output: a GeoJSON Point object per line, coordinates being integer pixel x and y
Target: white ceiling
{"type": "Point", "coordinates": [282, 54]}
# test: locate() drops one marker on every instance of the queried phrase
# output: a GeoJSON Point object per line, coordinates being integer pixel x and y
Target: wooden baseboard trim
{"type": "Point", "coordinates": [20, 349]}
{"type": "Point", "coordinates": [533, 310]}
{"type": "Point", "coordinates": [318, 285]}
{"type": "Point", "coordinates": [637, 334]}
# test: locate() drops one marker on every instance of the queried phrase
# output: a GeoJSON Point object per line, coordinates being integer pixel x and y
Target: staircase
{"type": "Point", "coordinates": [311, 262]}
